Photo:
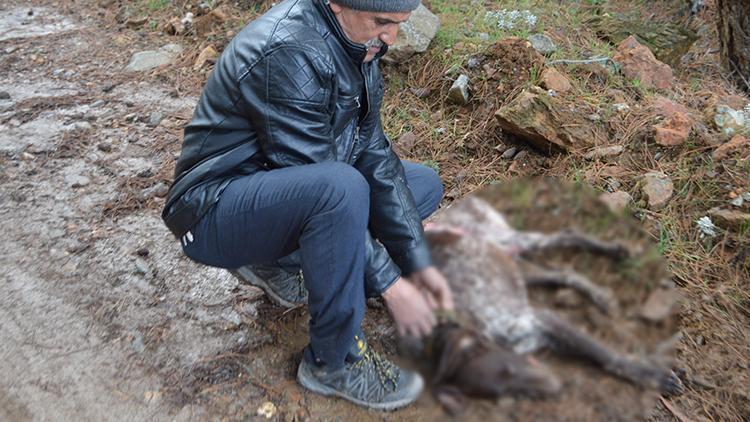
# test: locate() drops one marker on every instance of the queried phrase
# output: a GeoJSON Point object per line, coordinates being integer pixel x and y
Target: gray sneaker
{"type": "Point", "coordinates": [284, 288]}
{"type": "Point", "coordinates": [372, 381]}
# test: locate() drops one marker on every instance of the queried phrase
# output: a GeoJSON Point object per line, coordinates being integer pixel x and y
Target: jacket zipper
{"type": "Point", "coordinates": [354, 145]}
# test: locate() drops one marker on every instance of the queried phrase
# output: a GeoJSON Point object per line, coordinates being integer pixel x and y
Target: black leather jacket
{"type": "Point", "coordinates": [291, 89]}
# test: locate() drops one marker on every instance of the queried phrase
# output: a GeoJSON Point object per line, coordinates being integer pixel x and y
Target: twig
{"type": "Point", "coordinates": [737, 69]}
{"type": "Point", "coordinates": [675, 412]}
{"type": "Point", "coordinates": [588, 61]}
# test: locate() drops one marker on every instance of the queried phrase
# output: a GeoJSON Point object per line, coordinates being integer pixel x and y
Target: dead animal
{"type": "Point", "coordinates": [482, 256]}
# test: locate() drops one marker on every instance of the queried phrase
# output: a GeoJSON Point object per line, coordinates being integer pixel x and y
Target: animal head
{"type": "Point", "coordinates": [470, 363]}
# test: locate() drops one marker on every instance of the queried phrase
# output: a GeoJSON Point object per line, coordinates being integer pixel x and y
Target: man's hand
{"type": "Point", "coordinates": [433, 283]}
{"type": "Point", "coordinates": [409, 309]}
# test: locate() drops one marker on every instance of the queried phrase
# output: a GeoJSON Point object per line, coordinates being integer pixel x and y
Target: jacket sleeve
{"type": "Point", "coordinates": [394, 220]}
{"type": "Point", "coordinates": [288, 98]}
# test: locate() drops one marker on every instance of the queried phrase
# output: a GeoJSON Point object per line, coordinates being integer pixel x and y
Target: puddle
{"type": "Point", "coordinates": [19, 23]}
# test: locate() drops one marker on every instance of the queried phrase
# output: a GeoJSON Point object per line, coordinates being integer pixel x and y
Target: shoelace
{"type": "Point", "coordinates": [301, 284]}
{"type": "Point", "coordinates": [385, 370]}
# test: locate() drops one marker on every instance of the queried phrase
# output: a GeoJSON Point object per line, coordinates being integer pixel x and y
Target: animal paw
{"type": "Point", "coordinates": [671, 385]}
{"type": "Point", "coordinates": [619, 252]}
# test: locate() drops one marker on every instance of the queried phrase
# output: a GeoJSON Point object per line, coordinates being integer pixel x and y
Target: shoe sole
{"type": "Point", "coordinates": [252, 279]}
{"type": "Point", "coordinates": [307, 380]}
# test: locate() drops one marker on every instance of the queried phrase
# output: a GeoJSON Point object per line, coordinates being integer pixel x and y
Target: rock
{"type": "Point", "coordinates": [473, 62]}
{"type": "Point", "coordinates": [158, 190]}
{"type": "Point", "coordinates": [553, 79]}
{"type": "Point", "coordinates": [616, 201]}
{"type": "Point", "coordinates": [603, 152]}
{"type": "Point", "coordinates": [97, 103]}
{"type": "Point", "coordinates": [175, 27]}
{"type": "Point", "coordinates": [135, 23]}
{"type": "Point", "coordinates": [267, 410]}
{"type": "Point", "coordinates": [414, 35]}
{"type": "Point", "coordinates": [77, 246]}
{"type": "Point", "coordinates": [155, 118]}
{"type": "Point", "coordinates": [459, 92]}
{"type": "Point", "coordinates": [621, 107]}
{"type": "Point", "coordinates": [730, 121]}
{"type": "Point", "coordinates": [521, 155]}
{"type": "Point", "coordinates": [737, 143]}
{"type": "Point", "coordinates": [407, 140]}
{"type": "Point", "coordinates": [145, 173]}
{"type": "Point", "coordinates": [544, 122]}
{"type": "Point", "coordinates": [77, 181]}
{"type": "Point", "coordinates": [147, 60]}
{"type": "Point", "coordinates": [543, 44]}
{"type": "Point", "coordinates": [144, 252]}
{"type": "Point", "coordinates": [137, 343]}
{"type": "Point", "coordinates": [659, 305]}
{"type": "Point", "coordinates": [730, 219]}
{"type": "Point", "coordinates": [666, 108]}
{"type": "Point", "coordinates": [509, 153]}
{"type": "Point", "coordinates": [657, 187]}
{"type": "Point", "coordinates": [141, 267]}
{"type": "Point", "coordinates": [4, 95]}
{"type": "Point", "coordinates": [638, 62]}
{"type": "Point", "coordinates": [104, 147]}
{"type": "Point", "coordinates": [208, 55]}
{"type": "Point", "coordinates": [674, 130]}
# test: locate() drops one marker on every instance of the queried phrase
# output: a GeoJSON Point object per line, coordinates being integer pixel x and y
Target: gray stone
{"type": "Point", "coordinates": [459, 92]}
{"type": "Point", "coordinates": [142, 267]}
{"type": "Point", "coordinates": [155, 118]}
{"type": "Point", "coordinates": [146, 60]}
{"type": "Point", "coordinates": [473, 62]}
{"type": "Point", "coordinates": [4, 95]}
{"type": "Point", "coordinates": [97, 103]}
{"type": "Point", "coordinates": [603, 152]}
{"type": "Point", "coordinates": [521, 155]}
{"type": "Point", "coordinates": [414, 35]}
{"type": "Point", "coordinates": [509, 153]}
{"type": "Point", "coordinates": [137, 343]}
{"type": "Point", "coordinates": [657, 188]}
{"type": "Point", "coordinates": [158, 190]}
{"type": "Point", "coordinates": [543, 44]}
{"type": "Point", "coordinates": [77, 180]}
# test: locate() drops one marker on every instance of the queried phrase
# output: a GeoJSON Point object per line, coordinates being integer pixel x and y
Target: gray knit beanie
{"type": "Point", "coordinates": [383, 6]}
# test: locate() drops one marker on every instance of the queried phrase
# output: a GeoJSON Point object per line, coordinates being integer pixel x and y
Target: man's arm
{"type": "Point", "coordinates": [394, 219]}
{"type": "Point", "coordinates": [288, 97]}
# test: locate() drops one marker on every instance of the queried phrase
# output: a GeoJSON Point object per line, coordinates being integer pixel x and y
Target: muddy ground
{"type": "Point", "coordinates": [101, 317]}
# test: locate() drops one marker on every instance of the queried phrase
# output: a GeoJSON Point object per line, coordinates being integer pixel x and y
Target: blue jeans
{"type": "Point", "coordinates": [322, 210]}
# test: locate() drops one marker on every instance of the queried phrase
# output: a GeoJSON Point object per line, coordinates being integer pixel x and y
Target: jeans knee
{"type": "Point", "coordinates": [431, 190]}
{"type": "Point", "coordinates": [344, 186]}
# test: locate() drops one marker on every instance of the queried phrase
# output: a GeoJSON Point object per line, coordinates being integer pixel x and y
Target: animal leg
{"type": "Point", "coordinates": [562, 337]}
{"type": "Point", "coordinates": [569, 239]}
{"type": "Point", "coordinates": [535, 275]}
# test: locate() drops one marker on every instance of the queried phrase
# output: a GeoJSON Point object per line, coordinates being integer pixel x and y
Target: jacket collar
{"type": "Point", "coordinates": [356, 52]}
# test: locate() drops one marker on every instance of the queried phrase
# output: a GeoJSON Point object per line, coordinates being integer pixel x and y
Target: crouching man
{"type": "Point", "coordinates": [285, 166]}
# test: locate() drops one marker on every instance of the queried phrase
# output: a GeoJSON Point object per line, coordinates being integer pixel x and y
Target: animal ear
{"type": "Point", "coordinates": [438, 234]}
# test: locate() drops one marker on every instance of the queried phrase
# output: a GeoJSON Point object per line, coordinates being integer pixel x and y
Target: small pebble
{"type": "Point", "coordinates": [4, 95]}
{"type": "Point", "coordinates": [142, 252]}
{"type": "Point", "coordinates": [97, 103]}
{"type": "Point", "coordinates": [509, 153]}
{"type": "Point", "coordinates": [104, 147]}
